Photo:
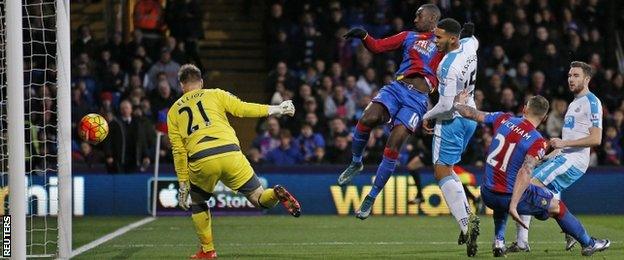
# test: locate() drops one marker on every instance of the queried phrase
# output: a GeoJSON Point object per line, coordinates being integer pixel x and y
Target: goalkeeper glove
{"type": "Point", "coordinates": [183, 194]}
{"type": "Point", "coordinates": [356, 33]}
{"type": "Point", "coordinates": [467, 31]}
{"type": "Point", "coordinates": [285, 108]}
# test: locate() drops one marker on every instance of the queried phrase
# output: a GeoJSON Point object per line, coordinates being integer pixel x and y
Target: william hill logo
{"type": "Point", "coordinates": [393, 200]}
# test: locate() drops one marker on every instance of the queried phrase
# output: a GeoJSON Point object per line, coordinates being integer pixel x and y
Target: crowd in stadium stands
{"type": "Point", "coordinates": [133, 84]}
{"type": "Point", "coordinates": [525, 49]}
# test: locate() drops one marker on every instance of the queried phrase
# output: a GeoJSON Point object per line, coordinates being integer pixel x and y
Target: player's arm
{"type": "Point", "coordinates": [180, 158]}
{"type": "Point", "coordinates": [522, 182]}
{"type": "Point", "coordinates": [471, 113]}
{"type": "Point", "coordinates": [448, 91]}
{"type": "Point", "coordinates": [239, 108]}
{"type": "Point", "coordinates": [593, 139]}
{"type": "Point", "coordinates": [377, 45]}
{"type": "Point", "coordinates": [595, 131]}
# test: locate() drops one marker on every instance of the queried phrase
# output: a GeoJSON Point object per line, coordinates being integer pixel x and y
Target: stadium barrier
{"type": "Point", "coordinates": [131, 194]}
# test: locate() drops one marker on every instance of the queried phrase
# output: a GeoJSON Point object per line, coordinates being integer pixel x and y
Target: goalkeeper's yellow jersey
{"type": "Point", "coordinates": [198, 125]}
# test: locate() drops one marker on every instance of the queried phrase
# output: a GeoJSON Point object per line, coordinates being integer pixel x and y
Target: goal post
{"type": "Point", "coordinates": [14, 68]}
{"type": "Point", "coordinates": [35, 132]}
{"type": "Point", "coordinates": [63, 93]}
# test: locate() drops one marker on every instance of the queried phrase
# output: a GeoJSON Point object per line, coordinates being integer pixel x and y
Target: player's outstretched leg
{"type": "Point", "coordinates": [361, 134]}
{"type": "Point", "coordinates": [373, 116]}
{"type": "Point", "coordinates": [386, 168]}
{"type": "Point", "coordinates": [269, 198]}
{"type": "Point", "coordinates": [288, 201]}
{"type": "Point", "coordinates": [384, 171]}
{"type": "Point", "coordinates": [572, 226]}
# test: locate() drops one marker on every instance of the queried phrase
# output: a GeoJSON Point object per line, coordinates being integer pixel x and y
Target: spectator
{"type": "Point", "coordinates": [162, 98]}
{"type": "Point", "coordinates": [167, 66]}
{"type": "Point", "coordinates": [508, 101]}
{"type": "Point", "coordinates": [554, 123]}
{"type": "Point", "coordinates": [319, 156]}
{"type": "Point", "coordinates": [611, 146]}
{"type": "Point", "coordinates": [308, 140]}
{"type": "Point", "coordinates": [85, 42]}
{"type": "Point", "coordinates": [287, 153]}
{"type": "Point", "coordinates": [114, 79]}
{"type": "Point", "coordinates": [87, 83]}
{"type": "Point", "coordinates": [281, 74]}
{"type": "Point", "coordinates": [117, 49]}
{"type": "Point", "coordinates": [138, 70]}
{"type": "Point", "coordinates": [312, 46]}
{"type": "Point", "coordinates": [340, 151]}
{"type": "Point", "coordinates": [126, 145]}
{"type": "Point", "coordinates": [275, 22]}
{"type": "Point", "coordinates": [538, 84]}
{"type": "Point", "coordinates": [511, 43]}
{"type": "Point", "coordinates": [522, 78]}
{"type": "Point", "coordinates": [281, 50]}
{"type": "Point", "coordinates": [184, 18]}
{"type": "Point", "coordinates": [178, 53]}
{"type": "Point", "coordinates": [339, 105]}
{"type": "Point", "coordinates": [148, 17]}
{"type": "Point", "coordinates": [88, 155]}
{"type": "Point", "coordinates": [338, 126]}
{"type": "Point", "coordinates": [366, 83]}
{"type": "Point", "coordinates": [269, 139]}
{"type": "Point", "coordinates": [304, 93]}
{"type": "Point", "coordinates": [615, 92]}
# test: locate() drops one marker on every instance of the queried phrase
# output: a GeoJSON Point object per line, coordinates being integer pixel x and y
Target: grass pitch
{"type": "Point", "coordinates": [331, 237]}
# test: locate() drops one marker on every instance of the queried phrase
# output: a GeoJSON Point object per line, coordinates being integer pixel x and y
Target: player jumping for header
{"type": "Point", "coordinates": [452, 133]}
{"type": "Point", "coordinates": [581, 130]}
{"type": "Point", "coordinates": [508, 189]}
{"type": "Point", "coordinates": [403, 102]}
{"type": "Point", "coordinates": [206, 150]}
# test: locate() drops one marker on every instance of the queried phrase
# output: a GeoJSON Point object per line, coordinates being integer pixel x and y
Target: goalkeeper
{"type": "Point", "coordinates": [206, 150]}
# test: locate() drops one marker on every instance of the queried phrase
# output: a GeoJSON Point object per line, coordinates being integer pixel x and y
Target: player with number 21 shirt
{"type": "Point", "coordinates": [206, 150]}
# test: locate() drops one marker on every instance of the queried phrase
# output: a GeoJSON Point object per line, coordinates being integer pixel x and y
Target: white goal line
{"type": "Point", "coordinates": [327, 243]}
{"type": "Point", "coordinates": [110, 236]}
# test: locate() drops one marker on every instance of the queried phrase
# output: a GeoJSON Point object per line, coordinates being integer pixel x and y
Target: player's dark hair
{"type": "Point", "coordinates": [189, 73]}
{"type": "Point", "coordinates": [450, 25]}
{"type": "Point", "coordinates": [538, 106]}
{"type": "Point", "coordinates": [584, 66]}
{"type": "Point", "coordinates": [433, 10]}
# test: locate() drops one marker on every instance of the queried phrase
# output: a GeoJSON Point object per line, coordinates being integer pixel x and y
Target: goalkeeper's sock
{"type": "Point", "coordinates": [455, 200]}
{"type": "Point", "coordinates": [361, 133]}
{"type": "Point", "coordinates": [202, 221]}
{"type": "Point", "coordinates": [385, 170]}
{"type": "Point", "coordinates": [267, 199]}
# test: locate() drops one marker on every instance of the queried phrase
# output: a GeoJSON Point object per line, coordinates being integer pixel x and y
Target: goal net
{"type": "Point", "coordinates": [41, 165]}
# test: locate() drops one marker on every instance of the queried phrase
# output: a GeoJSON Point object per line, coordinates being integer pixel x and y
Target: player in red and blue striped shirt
{"type": "Point", "coordinates": [403, 102]}
{"type": "Point", "coordinates": [514, 152]}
